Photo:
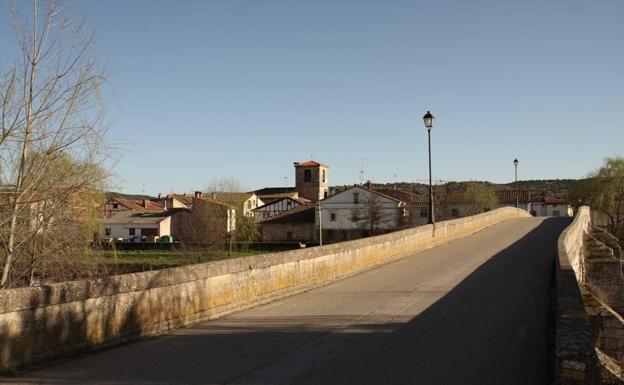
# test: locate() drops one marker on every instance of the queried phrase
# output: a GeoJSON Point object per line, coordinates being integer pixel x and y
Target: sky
{"type": "Point", "coordinates": [201, 90]}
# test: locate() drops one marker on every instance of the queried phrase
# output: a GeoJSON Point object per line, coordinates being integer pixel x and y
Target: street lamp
{"type": "Point", "coordinates": [428, 119]}
{"type": "Point", "coordinates": [515, 162]}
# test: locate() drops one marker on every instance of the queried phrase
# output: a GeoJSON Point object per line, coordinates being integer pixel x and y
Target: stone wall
{"type": "Point", "coordinates": [575, 356]}
{"type": "Point", "coordinates": [590, 304]}
{"type": "Point", "coordinates": [51, 321]}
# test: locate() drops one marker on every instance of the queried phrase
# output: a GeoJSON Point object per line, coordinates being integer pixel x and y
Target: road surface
{"type": "Point", "coordinates": [474, 311]}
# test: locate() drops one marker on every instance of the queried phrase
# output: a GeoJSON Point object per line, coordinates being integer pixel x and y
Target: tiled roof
{"type": "Point", "coordinates": [365, 189]}
{"type": "Point", "coordinates": [131, 217]}
{"type": "Point", "coordinates": [286, 214]}
{"type": "Point", "coordinates": [137, 205]}
{"type": "Point", "coordinates": [509, 196]}
{"type": "Point", "coordinates": [274, 197]}
{"type": "Point", "coordinates": [273, 190]}
{"type": "Point", "coordinates": [231, 196]}
{"type": "Point", "coordinates": [405, 196]}
{"type": "Point", "coordinates": [310, 163]}
{"type": "Point", "coordinates": [300, 200]}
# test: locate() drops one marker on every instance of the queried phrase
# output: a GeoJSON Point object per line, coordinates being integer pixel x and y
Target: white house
{"type": "Point", "coordinates": [136, 226]}
{"type": "Point", "coordinates": [358, 212]}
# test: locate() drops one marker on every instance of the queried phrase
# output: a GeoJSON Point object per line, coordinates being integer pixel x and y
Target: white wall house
{"type": "Point", "coordinates": [136, 225]}
{"type": "Point", "coordinates": [358, 212]}
{"type": "Point", "coordinates": [551, 209]}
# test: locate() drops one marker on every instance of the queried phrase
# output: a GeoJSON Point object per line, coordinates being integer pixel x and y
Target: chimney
{"type": "Point", "coordinates": [296, 164]}
{"type": "Point", "coordinates": [164, 204]}
{"type": "Point", "coordinates": [145, 203]}
{"type": "Point", "coordinates": [159, 195]}
{"type": "Point", "coordinates": [198, 194]}
{"type": "Point", "coordinates": [368, 184]}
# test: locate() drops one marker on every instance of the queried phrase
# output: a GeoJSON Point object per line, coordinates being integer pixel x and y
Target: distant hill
{"type": "Point", "coordinates": [114, 194]}
{"type": "Point", "coordinates": [556, 186]}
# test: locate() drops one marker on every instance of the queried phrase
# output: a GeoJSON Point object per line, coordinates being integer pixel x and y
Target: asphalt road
{"type": "Point", "coordinates": [474, 311]}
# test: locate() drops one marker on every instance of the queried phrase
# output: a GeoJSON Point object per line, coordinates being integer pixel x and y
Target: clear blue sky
{"type": "Point", "coordinates": [206, 89]}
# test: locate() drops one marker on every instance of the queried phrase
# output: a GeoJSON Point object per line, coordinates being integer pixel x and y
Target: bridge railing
{"type": "Point", "coordinates": [576, 360]}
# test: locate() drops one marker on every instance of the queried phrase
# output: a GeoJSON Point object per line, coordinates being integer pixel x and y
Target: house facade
{"type": "Point", "coordinates": [358, 212]}
{"type": "Point", "coordinates": [135, 226]}
{"type": "Point", "coordinates": [295, 225]}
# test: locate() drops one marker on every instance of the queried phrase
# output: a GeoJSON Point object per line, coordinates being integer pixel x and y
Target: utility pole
{"type": "Point", "coordinates": [320, 217]}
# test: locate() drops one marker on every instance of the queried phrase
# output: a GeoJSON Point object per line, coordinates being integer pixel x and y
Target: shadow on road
{"type": "Point", "coordinates": [489, 329]}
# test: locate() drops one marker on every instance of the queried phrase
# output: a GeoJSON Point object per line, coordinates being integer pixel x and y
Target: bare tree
{"type": "Point", "coordinates": [223, 184]}
{"type": "Point", "coordinates": [373, 214]}
{"type": "Point", "coordinates": [203, 228]}
{"type": "Point", "coordinates": [51, 141]}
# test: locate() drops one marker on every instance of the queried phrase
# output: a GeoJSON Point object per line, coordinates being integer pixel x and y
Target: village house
{"type": "Point", "coordinates": [247, 202]}
{"type": "Point", "coordinates": [359, 212]}
{"type": "Point", "coordinates": [116, 205]}
{"type": "Point", "coordinates": [132, 221]}
{"type": "Point", "coordinates": [551, 205]}
{"type": "Point", "coordinates": [295, 225]}
{"type": "Point", "coordinates": [133, 226]}
{"type": "Point", "coordinates": [417, 204]}
{"type": "Point", "coordinates": [311, 185]}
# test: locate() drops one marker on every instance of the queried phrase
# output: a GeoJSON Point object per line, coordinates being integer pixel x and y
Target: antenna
{"type": "Point", "coordinates": [362, 171]}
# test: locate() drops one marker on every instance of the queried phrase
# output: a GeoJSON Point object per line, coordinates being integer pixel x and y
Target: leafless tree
{"type": "Point", "coordinates": [373, 214]}
{"type": "Point", "coordinates": [51, 141]}
{"type": "Point", "coordinates": [203, 228]}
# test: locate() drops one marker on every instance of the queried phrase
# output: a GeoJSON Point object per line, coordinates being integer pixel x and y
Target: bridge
{"type": "Point", "coordinates": [474, 310]}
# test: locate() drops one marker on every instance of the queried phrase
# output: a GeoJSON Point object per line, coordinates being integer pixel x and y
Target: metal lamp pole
{"type": "Point", "coordinates": [428, 119]}
{"type": "Point", "coordinates": [515, 162]}
{"type": "Point", "coordinates": [320, 224]}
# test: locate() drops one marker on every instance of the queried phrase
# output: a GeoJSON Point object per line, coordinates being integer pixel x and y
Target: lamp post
{"type": "Point", "coordinates": [515, 162]}
{"type": "Point", "coordinates": [428, 119]}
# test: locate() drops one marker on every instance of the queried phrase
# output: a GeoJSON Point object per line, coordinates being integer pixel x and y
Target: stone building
{"type": "Point", "coordinates": [311, 180]}
{"type": "Point", "coordinates": [294, 225]}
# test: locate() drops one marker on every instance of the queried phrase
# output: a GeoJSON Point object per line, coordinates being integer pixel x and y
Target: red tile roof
{"type": "Point", "coordinates": [292, 212]}
{"type": "Point", "coordinates": [310, 163]}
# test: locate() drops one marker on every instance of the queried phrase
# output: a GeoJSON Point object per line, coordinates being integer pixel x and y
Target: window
{"type": "Point", "coordinates": [249, 205]}
{"type": "Point", "coordinates": [455, 213]}
{"type": "Point", "coordinates": [356, 197]}
{"type": "Point", "coordinates": [289, 236]}
{"type": "Point", "coordinates": [107, 231]}
{"type": "Point", "coordinates": [332, 217]}
{"type": "Point", "coordinates": [325, 194]}
{"type": "Point", "coordinates": [131, 231]}
{"type": "Point", "coordinates": [307, 176]}
{"type": "Point", "coordinates": [115, 206]}
{"type": "Point", "coordinates": [355, 216]}
{"type": "Point", "coordinates": [323, 176]}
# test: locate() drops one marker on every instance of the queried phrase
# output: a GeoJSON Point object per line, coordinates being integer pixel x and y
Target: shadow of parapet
{"type": "Point", "coordinates": [63, 319]}
{"type": "Point", "coordinates": [489, 329]}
